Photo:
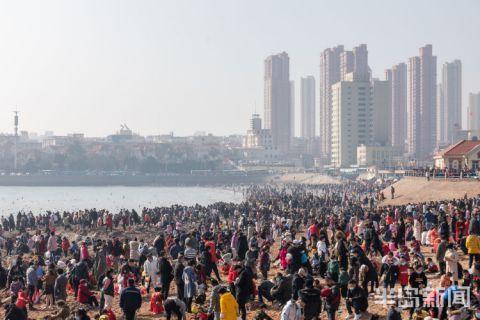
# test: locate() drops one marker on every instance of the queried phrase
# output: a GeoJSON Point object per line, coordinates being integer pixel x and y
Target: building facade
{"type": "Point", "coordinates": [335, 65]}
{"type": "Point", "coordinates": [258, 142]}
{"type": "Point", "coordinates": [350, 120]}
{"type": "Point", "coordinates": [397, 78]}
{"type": "Point", "coordinates": [330, 73]}
{"type": "Point", "coordinates": [473, 119]}
{"type": "Point", "coordinates": [449, 103]}
{"type": "Point", "coordinates": [307, 104]}
{"type": "Point", "coordinates": [464, 155]}
{"type": "Point", "coordinates": [381, 113]}
{"type": "Point", "coordinates": [277, 104]}
{"type": "Point", "coordinates": [422, 96]}
{"type": "Point", "coordinates": [379, 156]}
{"type": "Point", "coordinates": [292, 110]}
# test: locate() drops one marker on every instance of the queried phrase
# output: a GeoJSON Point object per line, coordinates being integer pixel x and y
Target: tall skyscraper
{"type": "Point", "coordinates": [307, 101]}
{"type": "Point", "coordinates": [277, 100]}
{"type": "Point", "coordinates": [474, 111]}
{"type": "Point", "coordinates": [351, 119]}
{"type": "Point", "coordinates": [449, 103]}
{"type": "Point", "coordinates": [381, 113]}
{"type": "Point", "coordinates": [330, 74]}
{"type": "Point", "coordinates": [335, 65]}
{"type": "Point", "coordinates": [397, 78]}
{"type": "Point", "coordinates": [292, 109]}
{"type": "Point", "coordinates": [360, 62]}
{"type": "Point", "coordinates": [346, 64]}
{"type": "Point", "coordinates": [422, 96]}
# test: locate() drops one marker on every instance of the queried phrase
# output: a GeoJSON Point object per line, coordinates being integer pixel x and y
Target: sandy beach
{"type": "Point", "coordinates": [415, 190]}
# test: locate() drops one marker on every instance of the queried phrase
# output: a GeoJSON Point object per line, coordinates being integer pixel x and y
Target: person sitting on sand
{"type": "Point", "coordinates": [85, 296]}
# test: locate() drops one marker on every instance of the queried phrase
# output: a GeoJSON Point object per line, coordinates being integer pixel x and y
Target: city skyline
{"type": "Point", "coordinates": [87, 67]}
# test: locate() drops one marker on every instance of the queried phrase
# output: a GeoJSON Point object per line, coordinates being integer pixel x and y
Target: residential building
{"type": "Point", "coordinates": [473, 119]}
{"type": "Point", "coordinates": [351, 120]}
{"type": "Point", "coordinates": [335, 65]}
{"type": "Point", "coordinates": [277, 102]}
{"type": "Point", "coordinates": [307, 103]}
{"type": "Point", "coordinates": [346, 64]}
{"type": "Point", "coordinates": [421, 123]}
{"type": "Point", "coordinates": [292, 110]}
{"type": "Point", "coordinates": [361, 115]}
{"type": "Point", "coordinates": [330, 73]}
{"type": "Point", "coordinates": [449, 103]}
{"type": "Point", "coordinates": [381, 113]}
{"type": "Point", "coordinates": [397, 78]}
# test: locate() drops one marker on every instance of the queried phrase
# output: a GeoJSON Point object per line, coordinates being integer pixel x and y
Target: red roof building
{"type": "Point", "coordinates": [462, 155]}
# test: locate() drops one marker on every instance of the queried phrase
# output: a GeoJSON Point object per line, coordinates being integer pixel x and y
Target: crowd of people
{"type": "Point", "coordinates": [299, 250]}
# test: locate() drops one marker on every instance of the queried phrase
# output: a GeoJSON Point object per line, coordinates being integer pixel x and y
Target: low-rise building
{"type": "Point", "coordinates": [380, 156]}
{"type": "Point", "coordinates": [464, 155]}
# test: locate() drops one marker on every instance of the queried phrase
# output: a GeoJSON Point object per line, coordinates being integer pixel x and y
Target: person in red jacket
{"type": "Point", "coordinates": [22, 300]}
{"type": "Point", "coordinates": [109, 222]}
{"type": "Point", "coordinates": [233, 273]}
{"type": "Point", "coordinates": [156, 302]}
{"type": "Point", "coordinates": [85, 296]}
{"type": "Point", "coordinates": [403, 272]}
{"type": "Point", "coordinates": [460, 230]}
{"type": "Point", "coordinates": [213, 253]}
{"type": "Point", "coordinates": [313, 233]}
{"type": "Point", "coordinates": [65, 246]}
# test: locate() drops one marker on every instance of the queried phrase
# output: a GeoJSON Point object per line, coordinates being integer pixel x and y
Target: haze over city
{"type": "Point", "coordinates": [184, 66]}
{"type": "Point", "coordinates": [239, 159]}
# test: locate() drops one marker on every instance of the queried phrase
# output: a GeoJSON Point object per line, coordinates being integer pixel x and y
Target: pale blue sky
{"type": "Point", "coordinates": [182, 66]}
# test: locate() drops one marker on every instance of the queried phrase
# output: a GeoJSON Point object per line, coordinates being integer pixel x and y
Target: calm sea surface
{"type": "Point", "coordinates": [40, 199]}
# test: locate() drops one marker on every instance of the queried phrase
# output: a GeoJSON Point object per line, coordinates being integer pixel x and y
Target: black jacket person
{"type": "Point", "coordinates": [166, 274]}
{"type": "Point", "coordinates": [130, 300]}
{"type": "Point", "coordinates": [311, 297]}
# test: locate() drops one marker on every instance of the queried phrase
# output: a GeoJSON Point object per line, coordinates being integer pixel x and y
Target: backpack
{"type": "Point", "coordinates": [304, 258]}
{"type": "Point", "coordinates": [333, 267]}
{"type": "Point", "coordinates": [334, 298]}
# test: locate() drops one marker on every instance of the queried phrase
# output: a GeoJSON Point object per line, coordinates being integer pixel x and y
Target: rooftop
{"type": "Point", "coordinates": [460, 148]}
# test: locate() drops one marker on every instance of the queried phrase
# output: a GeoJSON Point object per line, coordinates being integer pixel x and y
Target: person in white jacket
{"type": "Point", "coordinates": [134, 244]}
{"type": "Point", "coordinates": [150, 266]}
{"type": "Point", "coordinates": [293, 310]}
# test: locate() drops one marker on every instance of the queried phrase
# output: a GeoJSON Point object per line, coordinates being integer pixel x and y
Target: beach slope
{"type": "Point", "coordinates": [416, 190]}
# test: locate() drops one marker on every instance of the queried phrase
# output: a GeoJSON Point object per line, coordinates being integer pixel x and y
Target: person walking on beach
{"type": "Point", "coordinates": [166, 274]}
{"type": "Point", "coordinates": [228, 305]}
{"type": "Point", "coordinates": [392, 191]}
{"type": "Point", "coordinates": [190, 288]}
{"type": "Point", "coordinates": [178, 276]}
{"type": "Point", "coordinates": [473, 247]}
{"type": "Point", "coordinates": [32, 283]}
{"type": "Point", "coordinates": [150, 266]}
{"type": "Point", "coordinates": [130, 300]}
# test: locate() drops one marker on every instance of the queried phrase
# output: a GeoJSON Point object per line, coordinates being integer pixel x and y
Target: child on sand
{"type": "Point", "coordinates": [156, 302]}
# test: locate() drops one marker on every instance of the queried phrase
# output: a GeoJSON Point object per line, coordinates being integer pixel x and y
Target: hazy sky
{"type": "Point", "coordinates": [182, 66]}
